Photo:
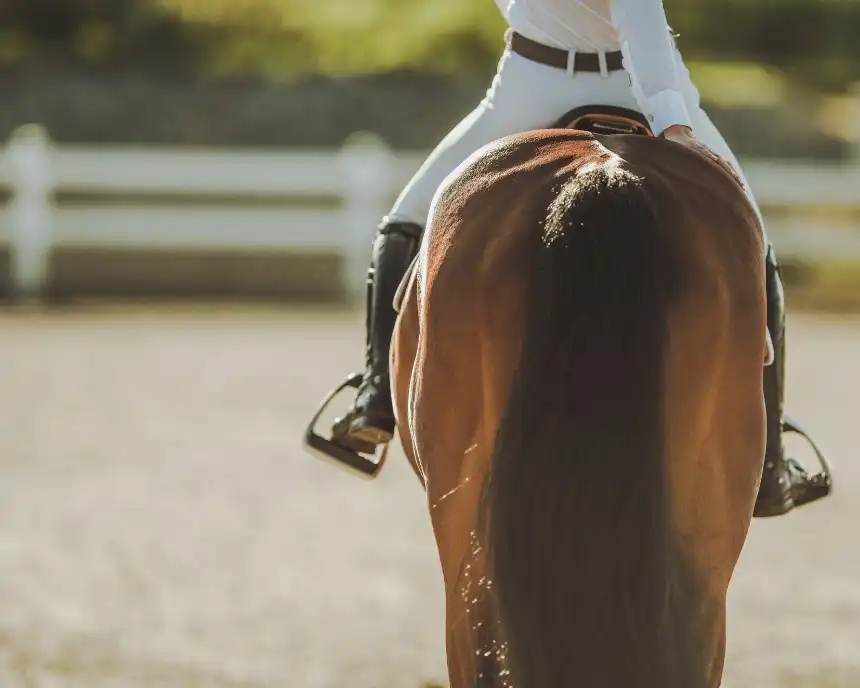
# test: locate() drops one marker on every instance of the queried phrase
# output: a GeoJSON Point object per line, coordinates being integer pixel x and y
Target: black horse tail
{"type": "Point", "coordinates": [590, 582]}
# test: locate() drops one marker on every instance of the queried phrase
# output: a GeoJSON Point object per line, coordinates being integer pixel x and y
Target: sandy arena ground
{"type": "Point", "coordinates": [160, 524]}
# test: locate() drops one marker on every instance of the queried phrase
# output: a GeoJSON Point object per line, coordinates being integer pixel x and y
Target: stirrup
{"type": "Point", "coordinates": [820, 484]}
{"type": "Point", "coordinates": [336, 454]}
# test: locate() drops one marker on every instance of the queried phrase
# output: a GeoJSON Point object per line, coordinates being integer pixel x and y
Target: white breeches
{"type": "Point", "coordinates": [527, 95]}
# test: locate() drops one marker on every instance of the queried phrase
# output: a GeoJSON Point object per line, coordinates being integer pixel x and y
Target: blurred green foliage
{"type": "Point", "coordinates": [106, 32]}
{"type": "Point", "coordinates": [812, 41]}
{"type": "Point", "coordinates": [308, 72]}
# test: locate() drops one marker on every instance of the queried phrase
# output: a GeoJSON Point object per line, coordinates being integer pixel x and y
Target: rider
{"type": "Point", "coordinates": [562, 54]}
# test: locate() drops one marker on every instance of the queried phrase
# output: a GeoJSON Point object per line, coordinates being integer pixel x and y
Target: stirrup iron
{"type": "Point", "coordinates": [820, 484]}
{"type": "Point", "coordinates": [336, 454]}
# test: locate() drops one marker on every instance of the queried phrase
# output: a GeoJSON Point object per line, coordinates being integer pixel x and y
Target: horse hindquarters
{"type": "Point", "coordinates": [592, 585]}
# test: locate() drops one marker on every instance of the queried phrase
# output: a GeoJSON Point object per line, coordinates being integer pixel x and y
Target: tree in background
{"type": "Point", "coordinates": [95, 31]}
{"type": "Point", "coordinates": [813, 41]}
{"type": "Point", "coordinates": [269, 72]}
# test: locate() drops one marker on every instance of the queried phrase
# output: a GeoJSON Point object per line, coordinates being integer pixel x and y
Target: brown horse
{"type": "Point", "coordinates": [577, 372]}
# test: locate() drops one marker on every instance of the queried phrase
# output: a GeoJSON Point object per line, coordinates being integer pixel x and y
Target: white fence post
{"type": "Point", "coordinates": [29, 160]}
{"type": "Point", "coordinates": [368, 173]}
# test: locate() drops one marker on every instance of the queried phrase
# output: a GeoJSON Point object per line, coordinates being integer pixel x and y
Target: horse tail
{"type": "Point", "coordinates": [591, 584]}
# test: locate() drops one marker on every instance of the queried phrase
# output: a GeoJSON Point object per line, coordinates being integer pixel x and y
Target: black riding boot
{"type": "Point", "coordinates": [370, 421]}
{"type": "Point", "coordinates": [784, 483]}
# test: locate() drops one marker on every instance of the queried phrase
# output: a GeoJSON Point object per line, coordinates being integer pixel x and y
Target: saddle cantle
{"type": "Point", "coordinates": [604, 120]}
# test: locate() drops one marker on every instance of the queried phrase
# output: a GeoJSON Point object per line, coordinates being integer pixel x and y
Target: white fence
{"type": "Point", "coordinates": [238, 200]}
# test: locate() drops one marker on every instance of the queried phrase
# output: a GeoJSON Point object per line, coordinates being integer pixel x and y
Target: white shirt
{"type": "Point", "coordinates": [636, 27]}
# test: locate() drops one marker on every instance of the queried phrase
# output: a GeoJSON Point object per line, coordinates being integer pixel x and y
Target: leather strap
{"type": "Point", "coordinates": [555, 57]}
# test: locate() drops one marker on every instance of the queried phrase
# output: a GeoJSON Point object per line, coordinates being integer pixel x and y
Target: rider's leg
{"type": "Point", "coordinates": [784, 481]}
{"type": "Point", "coordinates": [371, 419]}
{"type": "Point", "coordinates": [524, 95]}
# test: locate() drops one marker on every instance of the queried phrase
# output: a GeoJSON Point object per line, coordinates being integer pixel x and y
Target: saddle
{"type": "Point", "coordinates": [603, 120]}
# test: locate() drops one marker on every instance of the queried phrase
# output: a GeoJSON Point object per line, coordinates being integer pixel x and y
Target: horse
{"type": "Point", "coordinates": [577, 378]}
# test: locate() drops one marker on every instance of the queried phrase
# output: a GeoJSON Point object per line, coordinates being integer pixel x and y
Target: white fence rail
{"type": "Point", "coordinates": [228, 200]}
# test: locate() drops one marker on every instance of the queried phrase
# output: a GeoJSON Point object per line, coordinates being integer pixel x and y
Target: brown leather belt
{"type": "Point", "coordinates": [555, 57]}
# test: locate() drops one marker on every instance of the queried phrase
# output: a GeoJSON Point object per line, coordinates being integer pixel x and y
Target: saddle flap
{"type": "Point", "coordinates": [400, 294]}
